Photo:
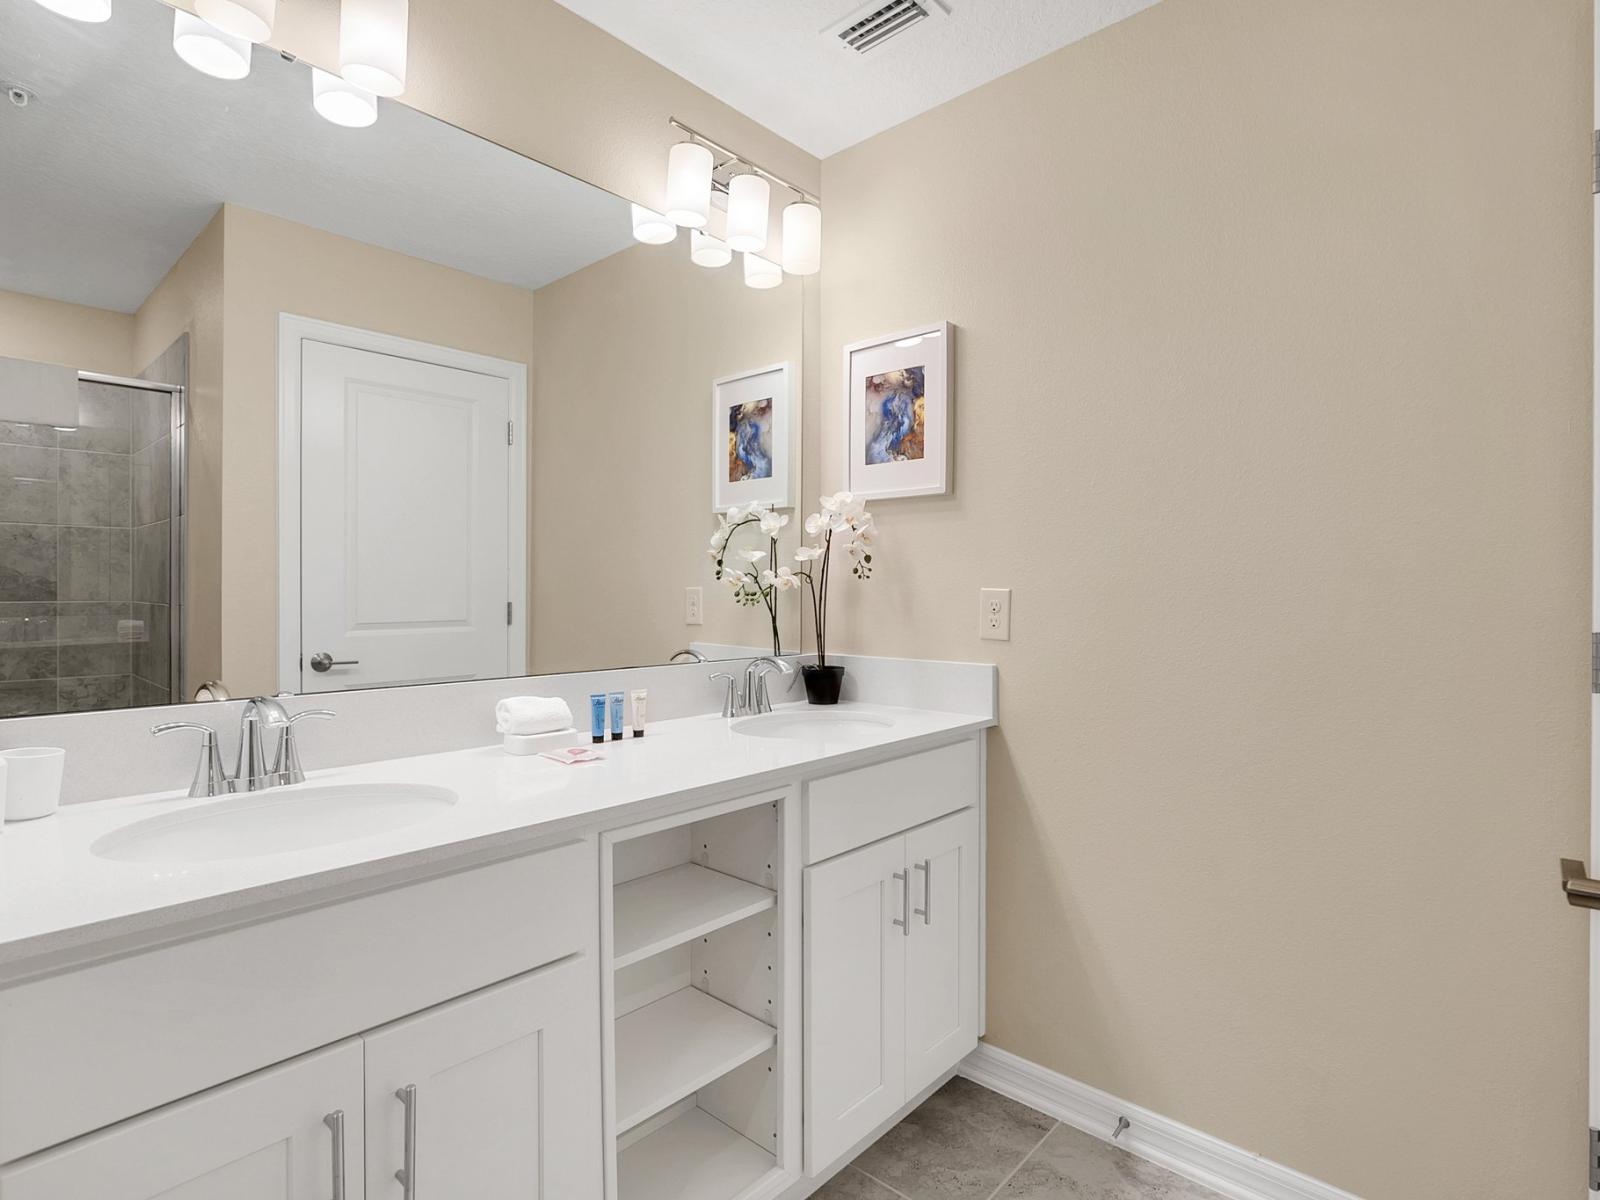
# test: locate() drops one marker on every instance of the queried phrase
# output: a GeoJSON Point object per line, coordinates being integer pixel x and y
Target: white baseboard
{"type": "Point", "coordinates": [1227, 1170]}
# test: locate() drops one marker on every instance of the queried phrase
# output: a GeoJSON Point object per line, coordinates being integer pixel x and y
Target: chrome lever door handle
{"type": "Point", "coordinates": [905, 901]}
{"type": "Point", "coordinates": [926, 911]}
{"type": "Point", "coordinates": [323, 661]}
{"type": "Point", "coordinates": [1581, 891]}
{"type": "Point", "coordinates": [407, 1175]}
{"type": "Point", "coordinates": [335, 1123]}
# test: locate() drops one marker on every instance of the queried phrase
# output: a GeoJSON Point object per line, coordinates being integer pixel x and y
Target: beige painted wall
{"type": "Point", "coordinates": [1274, 408]}
{"type": "Point", "coordinates": [72, 335]}
{"type": "Point", "coordinates": [190, 300]}
{"type": "Point", "coordinates": [274, 266]}
{"type": "Point", "coordinates": [624, 354]}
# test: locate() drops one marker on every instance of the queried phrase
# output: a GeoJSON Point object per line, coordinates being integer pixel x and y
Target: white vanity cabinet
{"type": "Point", "coordinates": [892, 949]}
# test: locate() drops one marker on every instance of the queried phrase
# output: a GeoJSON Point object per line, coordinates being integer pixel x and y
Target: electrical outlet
{"type": "Point", "coordinates": [694, 606]}
{"type": "Point", "coordinates": [994, 614]}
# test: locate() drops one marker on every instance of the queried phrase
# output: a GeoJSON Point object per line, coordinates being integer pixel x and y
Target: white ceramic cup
{"type": "Point", "coordinates": [32, 781]}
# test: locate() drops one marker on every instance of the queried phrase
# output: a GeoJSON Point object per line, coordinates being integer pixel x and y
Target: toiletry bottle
{"type": "Point", "coordinates": [616, 716]}
{"type": "Point", "coordinates": [597, 716]}
{"type": "Point", "coordinates": [639, 695]}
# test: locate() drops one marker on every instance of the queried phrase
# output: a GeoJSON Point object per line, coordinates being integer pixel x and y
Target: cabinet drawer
{"type": "Point", "coordinates": [851, 809]}
{"type": "Point", "coordinates": [81, 1050]}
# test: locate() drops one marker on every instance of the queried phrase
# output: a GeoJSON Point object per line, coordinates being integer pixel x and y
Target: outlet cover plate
{"type": "Point", "coordinates": [694, 606]}
{"type": "Point", "coordinates": [994, 614]}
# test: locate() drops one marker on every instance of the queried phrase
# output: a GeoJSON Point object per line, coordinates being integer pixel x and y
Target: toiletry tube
{"type": "Point", "coordinates": [616, 716]}
{"type": "Point", "coordinates": [639, 696]}
{"type": "Point", "coordinates": [597, 716]}
{"type": "Point", "coordinates": [32, 781]}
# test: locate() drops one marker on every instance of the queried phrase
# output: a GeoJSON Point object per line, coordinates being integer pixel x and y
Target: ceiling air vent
{"type": "Point", "coordinates": [873, 24]}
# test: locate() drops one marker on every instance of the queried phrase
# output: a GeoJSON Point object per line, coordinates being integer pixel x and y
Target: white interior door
{"type": "Point", "coordinates": [942, 951]}
{"type": "Point", "coordinates": [264, 1137]}
{"type": "Point", "coordinates": [405, 534]}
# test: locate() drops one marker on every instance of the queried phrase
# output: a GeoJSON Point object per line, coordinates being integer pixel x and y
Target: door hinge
{"type": "Point", "coordinates": [508, 612]}
{"type": "Point", "coordinates": [1594, 1160]}
{"type": "Point", "coordinates": [1594, 663]}
{"type": "Point", "coordinates": [510, 426]}
{"type": "Point", "coordinates": [1597, 162]}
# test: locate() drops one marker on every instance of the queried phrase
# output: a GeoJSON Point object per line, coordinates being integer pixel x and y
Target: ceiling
{"type": "Point", "coordinates": [127, 153]}
{"type": "Point", "coordinates": [772, 60]}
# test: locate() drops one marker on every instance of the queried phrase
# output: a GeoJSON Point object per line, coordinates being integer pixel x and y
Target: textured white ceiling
{"type": "Point", "coordinates": [770, 60]}
{"type": "Point", "coordinates": [127, 152]}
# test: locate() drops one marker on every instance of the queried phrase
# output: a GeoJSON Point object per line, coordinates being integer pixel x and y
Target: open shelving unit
{"type": "Point", "coordinates": [701, 933]}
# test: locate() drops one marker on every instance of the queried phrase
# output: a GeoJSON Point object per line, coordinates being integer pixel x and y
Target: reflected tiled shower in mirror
{"type": "Point", "coordinates": [87, 539]}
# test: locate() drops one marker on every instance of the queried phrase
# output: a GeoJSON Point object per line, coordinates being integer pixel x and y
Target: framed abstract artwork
{"type": "Point", "coordinates": [755, 438]}
{"type": "Point", "coordinates": [897, 413]}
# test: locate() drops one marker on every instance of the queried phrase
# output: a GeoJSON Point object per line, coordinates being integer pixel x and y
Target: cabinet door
{"type": "Point", "coordinates": [854, 980]}
{"type": "Point", "coordinates": [507, 1092]}
{"type": "Point", "coordinates": [942, 951]}
{"type": "Point", "coordinates": [263, 1137]}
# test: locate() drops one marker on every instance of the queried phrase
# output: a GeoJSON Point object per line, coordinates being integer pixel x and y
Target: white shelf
{"type": "Point", "coordinates": [693, 1156]}
{"type": "Point", "coordinates": [672, 1048]}
{"type": "Point", "coordinates": [677, 905]}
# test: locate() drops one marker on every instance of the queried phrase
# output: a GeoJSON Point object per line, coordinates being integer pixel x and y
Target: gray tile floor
{"type": "Point", "coordinates": [968, 1143]}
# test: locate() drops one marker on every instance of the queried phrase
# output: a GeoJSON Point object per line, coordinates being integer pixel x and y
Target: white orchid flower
{"type": "Point", "coordinates": [783, 579]}
{"type": "Point", "coordinates": [815, 524]}
{"type": "Point", "coordinates": [735, 579]}
{"type": "Point", "coordinates": [807, 553]}
{"type": "Point", "coordinates": [771, 522]}
{"type": "Point", "coordinates": [752, 556]}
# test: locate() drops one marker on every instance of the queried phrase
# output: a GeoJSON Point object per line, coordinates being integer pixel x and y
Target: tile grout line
{"type": "Point", "coordinates": [879, 1182]}
{"type": "Point", "coordinates": [1055, 1126]}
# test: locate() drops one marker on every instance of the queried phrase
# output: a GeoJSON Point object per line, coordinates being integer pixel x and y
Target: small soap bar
{"type": "Point", "coordinates": [573, 755]}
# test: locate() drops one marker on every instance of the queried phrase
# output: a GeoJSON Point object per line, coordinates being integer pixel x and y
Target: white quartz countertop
{"type": "Point", "coordinates": [59, 899]}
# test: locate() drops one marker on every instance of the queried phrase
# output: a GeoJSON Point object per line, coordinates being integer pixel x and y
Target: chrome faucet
{"type": "Point", "coordinates": [251, 773]}
{"type": "Point", "coordinates": [690, 655]}
{"type": "Point", "coordinates": [755, 682]}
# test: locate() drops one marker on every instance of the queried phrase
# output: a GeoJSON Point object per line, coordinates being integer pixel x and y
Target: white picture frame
{"type": "Point", "coordinates": [776, 384]}
{"type": "Point", "coordinates": [874, 469]}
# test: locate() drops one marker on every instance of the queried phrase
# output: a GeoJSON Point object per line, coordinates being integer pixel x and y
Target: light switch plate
{"type": "Point", "coordinates": [694, 606]}
{"type": "Point", "coordinates": [994, 614]}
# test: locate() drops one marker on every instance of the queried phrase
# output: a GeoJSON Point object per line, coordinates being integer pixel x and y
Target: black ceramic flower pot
{"type": "Point", "coordinates": [822, 683]}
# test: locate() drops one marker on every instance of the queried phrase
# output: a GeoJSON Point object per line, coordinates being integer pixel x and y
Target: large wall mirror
{"type": "Point", "coordinates": [300, 407]}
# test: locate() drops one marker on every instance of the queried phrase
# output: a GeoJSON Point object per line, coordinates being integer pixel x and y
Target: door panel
{"type": "Point", "coordinates": [262, 1137]}
{"type": "Point", "coordinates": [405, 528]}
{"type": "Point", "coordinates": [854, 998]}
{"type": "Point", "coordinates": [507, 1091]}
{"type": "Point", "coordinates": [942, 951]}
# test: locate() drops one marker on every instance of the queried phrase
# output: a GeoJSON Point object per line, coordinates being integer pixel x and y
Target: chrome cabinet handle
{"type": "Point", "coordinates": [335, 1122]}
{"type": "Point", "coordinates": [407, 1175]}
{"type": "Point", "coordinates": [926, 911]}
{"type": "Point", "coordinates": [323, 661]}
{"type": "Point", "coordinates": [905, 901]}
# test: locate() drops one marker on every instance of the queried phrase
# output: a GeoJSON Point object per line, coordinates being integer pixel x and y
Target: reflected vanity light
{"type": "Point", "coordinates": [707, 251]}
{"type": "Point", "coordinates": [93, 11]}
{"type": "Point", "coordinates": [249, 19]}
{"type": "Point", "coordinates": [372, 44]}
{"type": "Point", "coordinates": [748, 197]}
{"type": "Point", "coordinates": [907, 343]}
{"type": "Point", "coordinates": [802, 238]}
{"type": "Point", "coordinates": [341, 101]}
{"type": "Point", "coordinates": [761, 272]}
{"type": "Point", "coordinates": [689, 185]}
{"type": "Point", "coordinates": [208, 49]}
{"type": "Point", "coordinates": [651, 228]}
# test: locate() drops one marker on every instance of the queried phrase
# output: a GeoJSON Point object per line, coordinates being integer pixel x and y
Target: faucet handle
{"type": "Point", "coordinates": [209, 777]}
{"type": "Point", "coordinates": [286, 765]}
{"type": "Point", "coordinates": [728, 700]}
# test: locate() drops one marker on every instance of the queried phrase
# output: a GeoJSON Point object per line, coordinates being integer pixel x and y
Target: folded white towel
{"type": "Point", "coordinates": [531, 714]}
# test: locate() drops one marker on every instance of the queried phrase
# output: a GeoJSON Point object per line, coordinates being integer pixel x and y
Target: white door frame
{"type": "Point", "coordinates": [292, 331]}
{"type": "Point", "coordinates": [1594, 700]}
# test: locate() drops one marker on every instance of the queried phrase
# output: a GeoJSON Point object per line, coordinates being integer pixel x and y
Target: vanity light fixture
{"type": "Point", "coordinates": [651, 228]}
{"type": "Point", "coordinates": [761, 272]}
{"type": "Point", "coordinates": [341, 101]}
{"type": "Point", "coordinates": [689, 185]}
{"type": "Point", "coordinates": [249, 19]}
{"type": "Point", "coordinates": [707, 251]}
{"type": "Point", "coordinates": [372, 44]}
{"type": "Point", "coordinates": [802, 238]}
{"type": "Point", "coordinates": [748, 199]}
{"type": "Point", "coordinates": [207, 49]}
{"type": "Point", "coordinates": [93, 11]}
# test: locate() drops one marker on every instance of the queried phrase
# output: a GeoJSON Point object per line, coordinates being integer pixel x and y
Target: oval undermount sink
{"type": "Point", "coordinates": [273, 822]}
{"type": "Point", "coordinates": [810, 724]}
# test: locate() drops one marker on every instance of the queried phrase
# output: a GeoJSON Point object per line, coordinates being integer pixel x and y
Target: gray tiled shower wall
{"type": "Point", "coordinates": [84, 552]}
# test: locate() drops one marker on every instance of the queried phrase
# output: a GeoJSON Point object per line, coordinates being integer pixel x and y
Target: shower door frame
{"type": "Point", "coordinates": [177, 608]}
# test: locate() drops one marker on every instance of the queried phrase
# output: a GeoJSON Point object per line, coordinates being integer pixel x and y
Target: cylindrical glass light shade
{"type": "Point", "coordinates": [802, 239]}
{"type": "Point", "coordinates": [372, 44]}
{"type": "Point", "coordinates": [747, 212]}
{"type": "Point", "coordinates": [761, 272]}
{"type": "Point", "coordinates": [249, 19]}
{"type": "Point", "coordinates": [707, 251]}
{"type": "Point", "coordinates": [651, 228]}
{"type": "Point", "coordinates": [80, 10]}
{"type": "Point", "coordinates": [689, 185]}
{"type": "Point", "coordinates": [208, 49]}
{"type": "Point", "coordinates": [341, 101]}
